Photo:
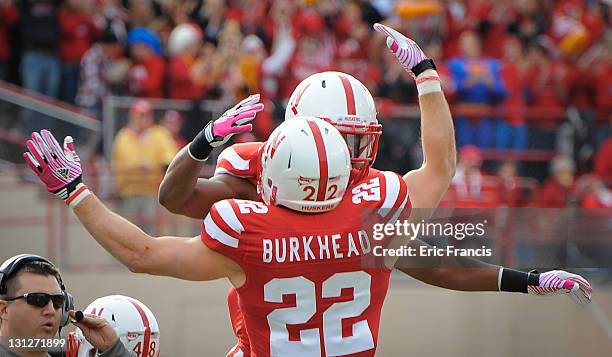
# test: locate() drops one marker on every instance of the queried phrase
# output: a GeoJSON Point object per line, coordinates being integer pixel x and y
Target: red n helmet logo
{"type": "Point", "coordinates": [97, 313]}
{"type": "Point", "coordinates": [276, 140]}
{"type": "Point", "coordinates": [297, 99]}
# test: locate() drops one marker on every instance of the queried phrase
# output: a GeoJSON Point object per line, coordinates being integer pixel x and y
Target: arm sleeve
{"type": "Point", "coordinates": [239, 160]}
{"type": "Point", "coordinates": [222, 231]}
{"type": "Point", "coordinates": [395, 203]}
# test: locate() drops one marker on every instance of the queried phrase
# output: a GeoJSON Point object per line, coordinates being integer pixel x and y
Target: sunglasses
{"type": "Point", "coordinates": [42, 299]}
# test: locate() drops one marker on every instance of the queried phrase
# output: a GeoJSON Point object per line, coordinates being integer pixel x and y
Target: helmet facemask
{"type": "Point", "coordinates": [362, 141]}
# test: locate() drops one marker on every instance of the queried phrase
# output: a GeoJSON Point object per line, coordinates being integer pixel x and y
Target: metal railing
{"type": "Point", "coordinates": [18, 105]}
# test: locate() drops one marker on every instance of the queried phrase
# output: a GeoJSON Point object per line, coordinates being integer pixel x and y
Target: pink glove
{"type": "Point", "coordinates": [558, 281]}
{"type": "Point", "coordinates": [218, 132]}
{"type": "Point", "coordinates": [406, 50]}
{"type": "Point", "coordinates": [234, 121]}
{"type": "Point", "coordinates": [59, 169]}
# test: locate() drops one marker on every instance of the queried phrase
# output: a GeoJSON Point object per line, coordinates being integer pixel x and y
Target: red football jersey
{"type": "Point", "coordinates": [307, 290]}
{"type": "Point", "coordinates": [239, 160]}
{"type": "Point", "coordinates": [243, 345]}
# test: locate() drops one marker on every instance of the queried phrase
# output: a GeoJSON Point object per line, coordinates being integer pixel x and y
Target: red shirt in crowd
{"type": "Point", "coordinates": [553, 195]}
{"type": "Point", "coordinates": [603, 163]}
{"type": "Point", "coordinates": [473, 191]}
{"type": "Point", "coordinates": [182, 85]}
{"type": "Point", "coordinates": [603, 91]}
{"type": "Point", "coordinates": [8, 18]}
{"type": "Point", "coordinates": [547, 85]}
{"type": "Point", "coordinates": [77, 33]}
{"type": "Point", "coordinates": [581, 87]}
{"type": "Point", "coordinates": [146, 78]}
{"type": "Point", "coordinates": [515, 101]}
{"type": "Point", "coordinates": [594, 200]}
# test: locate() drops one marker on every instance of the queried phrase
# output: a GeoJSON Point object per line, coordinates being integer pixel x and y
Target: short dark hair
{"type": "Point", "coordinates": [35, 267]}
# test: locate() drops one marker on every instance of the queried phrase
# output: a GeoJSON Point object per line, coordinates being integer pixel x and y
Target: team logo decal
{"type": "Point", "coordinates": [63, 172]}
{"type": "Point", "coordinates": [305, 181]}
{"type": "Point", "coordinates": [131, 336]}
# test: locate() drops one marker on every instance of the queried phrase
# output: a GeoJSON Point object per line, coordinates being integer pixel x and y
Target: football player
{"type": "Point", "coordinates": [273, 249]}
{"type": "Point", "coordinates": [346, 103]}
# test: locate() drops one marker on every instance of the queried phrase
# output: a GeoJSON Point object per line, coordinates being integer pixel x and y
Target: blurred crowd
{"type": "Point", "coordinates": [525, 61]}
{"type": "Point", "coordinates": [475, 187]}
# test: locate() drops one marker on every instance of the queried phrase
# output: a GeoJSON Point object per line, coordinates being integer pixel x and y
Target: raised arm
{"type": "Point", "coordinates": [184, 258]}
{"type": "Point", "coordinates": [179, 257]}
{"type": "Point", "coordinates": [181, 190]}
{"type": "Point", "coordinates": [428, 184]}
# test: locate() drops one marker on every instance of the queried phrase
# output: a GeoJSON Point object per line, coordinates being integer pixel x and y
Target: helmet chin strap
{"type": "Point", "coordinates": [358, 174]}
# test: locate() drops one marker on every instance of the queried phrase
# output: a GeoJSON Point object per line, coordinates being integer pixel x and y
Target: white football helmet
{"type": "Point", "coordinates": [305, 166]}
{"type": "Point", "coordinates": [345, 102]}
{"type": "Point", "coordinates": [132, 320]}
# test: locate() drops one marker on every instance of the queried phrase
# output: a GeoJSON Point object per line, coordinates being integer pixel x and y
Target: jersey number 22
{"type": "Point", "coordinates": [305, 307]}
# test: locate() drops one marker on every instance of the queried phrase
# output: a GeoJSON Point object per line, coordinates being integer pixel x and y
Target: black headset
{"type": "Point", "coordinates": [12, 265]}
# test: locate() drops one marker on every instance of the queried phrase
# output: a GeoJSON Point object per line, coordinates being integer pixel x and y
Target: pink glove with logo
{"type": "Point", "coordinates": [561, 282]}
{"type": "Point", "coordinates": [59, 169]}
{"type": "Point", "coordinates": [218, 132]}
{"type": "Point", "coordinates": [406, 50]}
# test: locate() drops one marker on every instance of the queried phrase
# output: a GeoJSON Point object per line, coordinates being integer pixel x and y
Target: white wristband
{"type": "Point", "coordinates": [428, 82]}
{"type": "Point", "coordinates": [77, 195]}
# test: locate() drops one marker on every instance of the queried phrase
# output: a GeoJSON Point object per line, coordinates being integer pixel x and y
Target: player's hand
{"type": "Point", "coordinates": [561, 282]}
{"type": "Point", "coordinates": [59, 169]}
{"type": "Point", "coordinates": [234, 121]}
{"type": "Point", "coordinates": [406, 50]}
{"type": "Point", "coordinates": [96, 330]}
{"type": "Point", "coordinates": [217, 132]}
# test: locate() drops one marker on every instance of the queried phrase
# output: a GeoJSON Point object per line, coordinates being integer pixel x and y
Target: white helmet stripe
{"type": "Point", "coordinates": [297, 99]}
{"type": "Point", "coordinates": [323, 164]}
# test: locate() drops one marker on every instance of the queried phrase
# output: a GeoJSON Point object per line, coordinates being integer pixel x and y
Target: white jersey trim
{"type": "Point", "coordinates": [229, 216]}
{"type": "Point", "coordinates": [218, 234]}
{"type": "Point", "coordinates": [398, 211]}
{"type": "Point", "coordinates": [232, 157]}
{"type": "Point", "coordinates": [392, 189]}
